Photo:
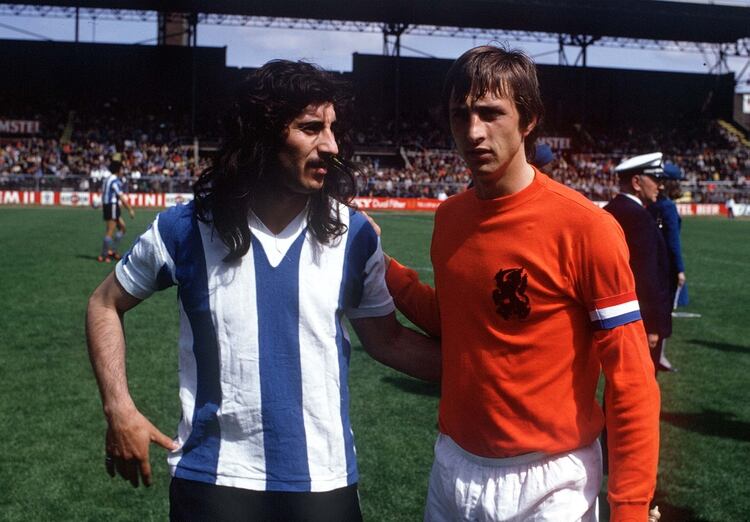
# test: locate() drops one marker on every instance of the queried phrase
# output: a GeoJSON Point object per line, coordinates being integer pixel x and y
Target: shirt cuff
{"type": "Point", "coordinates": [628, 512]}
{"type": "Point", "coordinates": [131, 286]}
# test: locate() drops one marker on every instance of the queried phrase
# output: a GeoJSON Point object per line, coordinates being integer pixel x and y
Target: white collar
{"type": "Point", "coordinates": [277, 245]}
{"type": "Point", "coordinates": [634, 198]}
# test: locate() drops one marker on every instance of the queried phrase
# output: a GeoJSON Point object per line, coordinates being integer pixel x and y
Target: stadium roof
{"type": "Point", "coordinates": [637, 19]}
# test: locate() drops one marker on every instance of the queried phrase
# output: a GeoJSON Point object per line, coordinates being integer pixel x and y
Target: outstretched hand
{"type": "Point", "coordinates": [127, 447]}
{"type": "Point", "coordinates": [132, 213]}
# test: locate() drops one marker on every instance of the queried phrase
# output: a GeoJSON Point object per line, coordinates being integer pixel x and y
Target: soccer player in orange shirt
{"type": "Point", "coordinates": [533, 299]}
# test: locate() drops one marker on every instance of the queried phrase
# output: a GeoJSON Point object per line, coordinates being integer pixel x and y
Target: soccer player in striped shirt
{"type": "Point", "coordinates": [112, 196]}
{"type": "Point", "coordinates": [269, 261]}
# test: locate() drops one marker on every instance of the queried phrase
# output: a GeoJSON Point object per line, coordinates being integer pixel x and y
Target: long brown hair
{"type": "Point", "coordinates": [270, 98]}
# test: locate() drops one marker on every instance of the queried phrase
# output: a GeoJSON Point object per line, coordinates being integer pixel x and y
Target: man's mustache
{"type": "Point", "coordinates": [318, 164]}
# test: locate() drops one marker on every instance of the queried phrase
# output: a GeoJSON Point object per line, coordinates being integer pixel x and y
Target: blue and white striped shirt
{"type": "Point", "coordinates": [263, 350]}
{"type": "Point", "coordinates": [111, 189]}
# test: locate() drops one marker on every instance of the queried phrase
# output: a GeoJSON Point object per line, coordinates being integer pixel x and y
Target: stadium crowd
{"type": "Point", "coordinates": [715, 163]}
{"type": "Point", "coordinates": [74, 148]}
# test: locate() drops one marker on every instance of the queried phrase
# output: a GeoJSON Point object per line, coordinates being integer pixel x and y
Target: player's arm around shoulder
{"type": "Point", "coordinates": [129, 433]}
{"type": "Point", "coordinates": [413, 298]}
{"type": "Point", "coordinates": [374, 320]}
{"type": "Point", "coordinates": [392, 344]}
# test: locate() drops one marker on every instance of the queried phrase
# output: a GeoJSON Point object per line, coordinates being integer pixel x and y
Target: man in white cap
{"type": "Point", "coordinates": [641, 177]}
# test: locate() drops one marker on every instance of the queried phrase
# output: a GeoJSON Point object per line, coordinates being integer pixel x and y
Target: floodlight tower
{"type": "Point", "coordinates": [392, 47]}
{"type": "Point", "coordinates": [181, 29]}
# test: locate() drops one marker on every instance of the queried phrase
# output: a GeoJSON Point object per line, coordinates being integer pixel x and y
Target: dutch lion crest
{"type": "Point", "coordinates": [510, 295]}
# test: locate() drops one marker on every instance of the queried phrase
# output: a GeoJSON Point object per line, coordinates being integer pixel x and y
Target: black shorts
{"type": "Point", "coordinates": [111, 212]}
{"type": "Point", "coordinates": [192, 501]}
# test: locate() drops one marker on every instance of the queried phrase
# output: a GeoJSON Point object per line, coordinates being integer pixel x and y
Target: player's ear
{"type": "Point", "coordinates": [530, 126]}
{"type": "Point", "coordinates": [635, 182]}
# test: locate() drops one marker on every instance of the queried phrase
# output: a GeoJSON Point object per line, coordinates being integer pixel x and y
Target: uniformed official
{"type": "Point", "coordinates": [640, 178]}
{"type": "Point", "coordinates": [664, 211]}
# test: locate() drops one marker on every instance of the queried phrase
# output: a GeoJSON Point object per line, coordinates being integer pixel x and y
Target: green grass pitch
{"type": "Point", "coordinates": [52, 429]}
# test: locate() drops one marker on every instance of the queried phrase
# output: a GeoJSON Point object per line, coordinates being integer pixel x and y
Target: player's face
{"type": "Point", "coordinates": [649, 188]}
{"type": "Point", "coordinates": [308, 139]}
{"type": "Point", "coordinates": [488, 135]}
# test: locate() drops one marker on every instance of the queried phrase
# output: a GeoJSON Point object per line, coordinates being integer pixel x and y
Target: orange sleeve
{"type": "Point", "coordinates": [416, 300]}
{"type": "Point", "coordinates": [631, 394]}
{"type": "Point", "coordinates": [632, 403]}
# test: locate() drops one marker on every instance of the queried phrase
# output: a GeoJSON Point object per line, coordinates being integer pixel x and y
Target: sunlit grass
{"type": "Point", "coordinates": [51, 456]}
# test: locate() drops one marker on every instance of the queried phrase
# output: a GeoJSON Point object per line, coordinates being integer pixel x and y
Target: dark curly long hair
{"type": "Point", "coordinates": [267, 101]}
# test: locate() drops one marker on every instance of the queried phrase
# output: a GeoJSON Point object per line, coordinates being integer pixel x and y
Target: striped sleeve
{"type": "Point", "coordinates": [376, 301]}
{"type": "Point", "coordinates": [147, 267]}
{"type": "Point", "coordinates": [605, 279]}
{"type": "Point", "coordinates": [610, 312]}
{"type": "Point", "coordinates": [366, 266]}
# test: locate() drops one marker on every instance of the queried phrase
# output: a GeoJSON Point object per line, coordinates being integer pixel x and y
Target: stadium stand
{"type": "Point", "coordinates": [400, 138]}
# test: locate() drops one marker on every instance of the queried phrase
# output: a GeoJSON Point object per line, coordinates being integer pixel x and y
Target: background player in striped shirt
{"type": "Point", "coordinates": [112, 196]}
{"type": "Point", "coordinates": [268, 260]}
{"type": "Point", "coordinates": [533, 299]}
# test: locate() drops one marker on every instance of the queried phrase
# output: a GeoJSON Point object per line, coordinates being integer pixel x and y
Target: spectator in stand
{"type": "Point", "coordinates": [730, 207]}
{"type": "Point", "coordinates": [714, 161]}
{"type": "Point", "coordinates": [98, 172]}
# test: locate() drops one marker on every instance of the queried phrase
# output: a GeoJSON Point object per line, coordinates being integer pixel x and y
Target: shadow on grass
{"type": "Point", "coordinates": [674, 513]}
{"type": "Point", "coordinates": [669, 513]}
{"type": "Point", "coordinates": [710, 422]}
{"type": "Point", "coordinates": [87, 257]}
{"type": "Point", "coordinates": [724, 347]}
{"type": "Point", "coordinates": [414, 386]}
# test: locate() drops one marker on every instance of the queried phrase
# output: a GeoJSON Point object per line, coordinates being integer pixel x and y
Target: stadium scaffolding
{"type": "Point", "coordinates": [739, 48]}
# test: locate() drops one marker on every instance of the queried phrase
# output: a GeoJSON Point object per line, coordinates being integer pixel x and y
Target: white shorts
{"type": "Point", "coordinates": [531, 487]}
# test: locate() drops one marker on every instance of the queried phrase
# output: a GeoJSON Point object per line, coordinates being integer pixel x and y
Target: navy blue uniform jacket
{"type": "Point", "coordinates": [664, 211]}
{"type": "Point", "coordinates": [649, 262]}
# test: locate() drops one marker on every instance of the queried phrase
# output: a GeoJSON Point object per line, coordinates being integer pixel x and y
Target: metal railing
{"type": "Point", "coordinates": [702, 191]}
{"type": "Point", "coordinates": [149, 184]}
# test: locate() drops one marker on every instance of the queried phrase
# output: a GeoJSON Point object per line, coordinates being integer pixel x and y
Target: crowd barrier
{"type": "Point", "coordinates": [89, 199]}
{"type": "Point", "coordinates": [168, 199]}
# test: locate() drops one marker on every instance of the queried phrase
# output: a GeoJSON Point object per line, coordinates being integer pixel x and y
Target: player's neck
{"type": "Point", "coordinates": [517, 176]}
{"type": "Point", "coordinates": [277, 210]}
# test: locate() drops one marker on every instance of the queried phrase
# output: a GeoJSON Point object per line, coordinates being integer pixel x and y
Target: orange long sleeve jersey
{"type": "Point", "coordinates": [533, 297]}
